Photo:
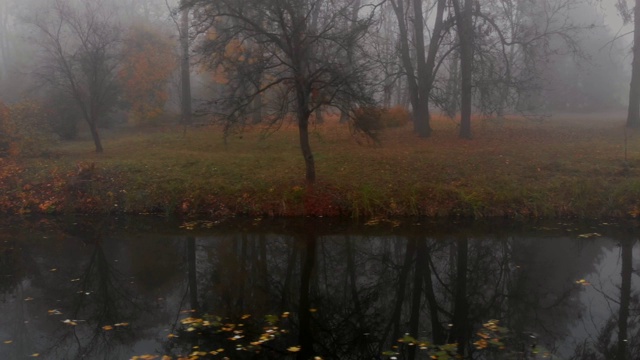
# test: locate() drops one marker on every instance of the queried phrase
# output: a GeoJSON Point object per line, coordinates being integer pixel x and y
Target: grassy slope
{"type": "Point", "coordinates": [556, 168]}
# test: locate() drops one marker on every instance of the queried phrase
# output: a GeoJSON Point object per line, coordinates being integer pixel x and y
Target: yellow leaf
{"type": "Point", "coordinates": [8, 341]}
{"type": "Point", "coordinates": [34, 355]}
{"type": "Point", "coordinates": [107, 327]}
{"type": "Point", "coordinates": [294, 349]}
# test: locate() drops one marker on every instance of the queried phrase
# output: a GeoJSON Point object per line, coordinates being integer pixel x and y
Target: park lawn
{"type": "Point", "coordinates": [558, 167]}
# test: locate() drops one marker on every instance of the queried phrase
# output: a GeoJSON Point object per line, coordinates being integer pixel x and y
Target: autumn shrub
{"type": "Point", "coordinates": [367, 121]}
{"type": "Point", "coordinates": [396, 116]}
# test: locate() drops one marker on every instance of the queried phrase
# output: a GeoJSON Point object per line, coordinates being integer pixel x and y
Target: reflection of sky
{"type": "Point", "coordinates": [602, 296]}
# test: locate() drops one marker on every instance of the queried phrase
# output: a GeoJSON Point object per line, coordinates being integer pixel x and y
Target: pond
{"type": "Point", "coordinates": [117, 288]}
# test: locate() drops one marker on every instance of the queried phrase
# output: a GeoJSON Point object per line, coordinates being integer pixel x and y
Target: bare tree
{"type": "Point", "coordinates": [79, 43]}
{"type": "Point", "coordinates": [298, 65]}
{"type": "Point", "coordinates": [420, 74]}
{"type": "Point", "coordinates": [505, 43]}
{"type": "Point", "coordinates": [633, 116]}
{"type": "Point", "coordinates": [185, 67]}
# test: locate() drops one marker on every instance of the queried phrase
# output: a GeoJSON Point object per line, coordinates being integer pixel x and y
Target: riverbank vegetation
{"type": "Point", "coordinates": [570, 166]}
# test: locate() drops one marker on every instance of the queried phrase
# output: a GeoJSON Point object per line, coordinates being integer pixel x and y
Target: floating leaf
{"type": "Point", "coordinates": [70, 322]}
{"type": "Point", "coordinates": [54, 312]}
{"type": "Point", "coordinates": [122, 324]}
{"type": "Point", "coordinates": [589, 235]}
{"type": "Point", "coordinates": [583, 282]}
{"type": "Point", "coordinates": [28, 299]}
{"type": "Point", "coordinates": [107, 327]}
{"type": "Point", "coordinates": [8, 341]}
{"type": "Point", "coordinates": [34, 355]}
{"type": "Point", "coordinates": [294, 349]}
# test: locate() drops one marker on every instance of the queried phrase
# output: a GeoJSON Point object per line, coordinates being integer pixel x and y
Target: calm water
{"type": "Point", "coordinates": [119, 288]}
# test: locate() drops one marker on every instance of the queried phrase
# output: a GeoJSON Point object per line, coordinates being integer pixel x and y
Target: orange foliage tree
{"type": "Point", "coordinates": [147, 67]}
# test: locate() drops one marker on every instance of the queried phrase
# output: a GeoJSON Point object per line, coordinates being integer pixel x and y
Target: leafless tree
{"type": "Point", "coordinates": [505, 43]}
{"type": "Point", "coordinates": [296, 51]}
{"type": "Point", "coordinates": [633, 115]}
{"type": "Point", "coordinates": [420, 74]}
{"type": "Point", "coordinates": [79, 43]}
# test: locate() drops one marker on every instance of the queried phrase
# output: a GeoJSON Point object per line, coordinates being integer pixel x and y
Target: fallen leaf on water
{"type": "Point", "coordinates": [53, 270]}
{"type": "Point", "coordinates": [70, 322]}
{"type": "Point", "coordinates": [294, 349]}
{"type": "Point", "coordinates": [34, 355]}
{"type": "Point", "coordinates": [589, 235]}
{"type": "Point", "coordinates": [54, 312]}
{"type": "Point", "coordinates": [583, 282]}
{"type": "Point", "coordinates": [8, 341]}
{"type": "Point", "coordinates": [122, 324]}
{"type": "Point", "coordinates": [107, 327]}
{"type": "Point", "coordinates": [28, 299]}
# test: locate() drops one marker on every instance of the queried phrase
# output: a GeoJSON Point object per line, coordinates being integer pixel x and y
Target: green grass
{"type": "Point", "coordinates": [561, 167]}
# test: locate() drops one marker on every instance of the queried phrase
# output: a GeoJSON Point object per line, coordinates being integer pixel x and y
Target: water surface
{"type": "Point", "coordinates": [113, 288]}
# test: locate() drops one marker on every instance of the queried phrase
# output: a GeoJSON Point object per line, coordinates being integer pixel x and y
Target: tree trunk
{"type": "Point", "coordinates": [633, 116]}
{"type": "Point", "coordinates": [96, 137]}
{"type": "Point", "coordinates": [185, 70]}
{"type": "Point", "coordinates": [464, 21]}
{"type": "Point", "coordinates": [303, 129]}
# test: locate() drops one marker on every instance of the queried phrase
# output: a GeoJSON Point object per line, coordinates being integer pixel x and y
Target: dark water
{"type": "Point", "coordinates": [119, 288]}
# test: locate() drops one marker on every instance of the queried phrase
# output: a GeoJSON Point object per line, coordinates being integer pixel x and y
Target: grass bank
{"type": "Point", "coordinates": [556, 168]}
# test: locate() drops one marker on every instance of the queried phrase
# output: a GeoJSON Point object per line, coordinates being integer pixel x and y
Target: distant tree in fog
{"type": "Point", "coordinates": [504, 47]}
{"type": "Point", "coordinates": [79, 43]}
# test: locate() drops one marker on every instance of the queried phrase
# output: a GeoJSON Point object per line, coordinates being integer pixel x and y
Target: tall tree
{"type": "Point", "coordinates": [185, 66]}
{"type": "Point", "coordinates": [420, 74]}
{"type": "Point", "coordinates": [80, 44]}
{"type": "Point", "coordinates": [464, 22]}
{"type": "Point", "coordinates": [633, 115]}
{"type": "Point", "coordinates": [302, 67]}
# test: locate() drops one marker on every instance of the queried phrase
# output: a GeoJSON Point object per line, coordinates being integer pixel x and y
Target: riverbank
{"type": "Point", "coordinates": [518, 168]}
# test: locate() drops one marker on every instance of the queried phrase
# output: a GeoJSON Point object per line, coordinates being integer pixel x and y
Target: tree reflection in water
{"type": "Point", "coordinates": [315, 288]}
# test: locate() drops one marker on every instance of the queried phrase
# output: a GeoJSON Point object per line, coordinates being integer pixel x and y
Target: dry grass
{"type": "Point", "coordinates": [558, 167]}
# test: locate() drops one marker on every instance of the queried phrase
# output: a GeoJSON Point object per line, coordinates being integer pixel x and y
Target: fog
{"type": "Point", "coordinates": [518, 58]}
